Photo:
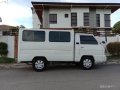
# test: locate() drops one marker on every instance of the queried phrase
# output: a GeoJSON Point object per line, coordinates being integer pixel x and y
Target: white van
{"type": "Point", "coordinates": [41, 46]}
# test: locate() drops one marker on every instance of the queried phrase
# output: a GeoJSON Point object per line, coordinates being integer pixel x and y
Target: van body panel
{"type": "Point", "coordinates": [60, 51]}
{"type": "Point", "coordinates": [72, 50]}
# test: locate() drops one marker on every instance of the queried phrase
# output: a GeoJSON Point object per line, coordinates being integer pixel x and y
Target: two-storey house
{"type": "Point", "coordinates": [73, 15]}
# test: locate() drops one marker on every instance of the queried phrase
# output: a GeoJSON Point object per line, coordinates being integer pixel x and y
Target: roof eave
{"type": "Point", "coordinates": [112, 6]}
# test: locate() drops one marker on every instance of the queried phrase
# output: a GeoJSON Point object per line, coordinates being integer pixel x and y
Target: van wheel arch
{"type": "Point", "coordinates": [39, 63]}
{"type": "Point", "coordinates": [37, 57]}
{"type": "Point", "coordinates": [89, 59]}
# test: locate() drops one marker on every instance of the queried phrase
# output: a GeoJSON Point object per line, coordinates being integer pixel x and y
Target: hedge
{"type": "Point", "coordinates": [114, 48]}
{"type": "Point", "coordinates": [3, 49]}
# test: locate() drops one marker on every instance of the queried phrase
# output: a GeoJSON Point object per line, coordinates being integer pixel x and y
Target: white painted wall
{"type": "Point", "coordinates": [109, 39]}
{"type": "Point", "coordinates": [62, 22]}
{"type": "Point", "coordinates": [10, 41]}
{"type": "Point", "coordinates": [102, 12]}
{"type": "Point", "coordinates": [36, 23]}
{"type": "Point", "coordinates": [80, 16]}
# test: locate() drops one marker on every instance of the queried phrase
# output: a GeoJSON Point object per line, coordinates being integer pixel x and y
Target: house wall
{"type": "Point", "coordinates": [46, 18]}
{"type": "Point", "coordinates": [102, 12]}
{"type": "Point", "coordinates": [80, 16]}
{"type": "Point", "coordinates": [92, 17]}
{"type": "Point", "coordinates": [62, 22]}
{"type": "Point", "coordinates": [10, 41]}
{"type": "Point", "coordinates": [36, 23]}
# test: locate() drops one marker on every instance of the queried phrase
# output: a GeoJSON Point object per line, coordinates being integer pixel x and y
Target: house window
{"type": "Point", "coordinates": [98, 20]}
{"type": "Point", "coordinates": [55, 36]}
{"type": "Point", "coordinates": [66, 15]}
{"type": "Point", "coordinates": [107, 20]}
{"type": "Point", "coordinates": [35, 36]}
{"type": "Point", "coordinates": [86, 19]}
{"type": "Point", "coordinates": [53, 18]}
{"type": "Point", "coordinates": [73, 19]}
{"type": "Point", "coordinates": [6, 33]}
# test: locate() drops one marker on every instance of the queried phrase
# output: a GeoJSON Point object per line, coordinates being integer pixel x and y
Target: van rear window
{"type": "Point", "coordinates": [35, 36]}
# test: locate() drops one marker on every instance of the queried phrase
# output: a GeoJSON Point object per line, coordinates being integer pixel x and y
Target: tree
{"type": "Point", "coordinates": [116, 28]}
{"type": "Point", "coordinates": [22, 26]}
{"type": "Point", "coordinates": [15, 30]}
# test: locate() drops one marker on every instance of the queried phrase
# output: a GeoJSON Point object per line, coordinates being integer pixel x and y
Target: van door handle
{"type": "Point", "coordinates": [77, 42]}
{"type": "Point", "coordinates": [82, 47]}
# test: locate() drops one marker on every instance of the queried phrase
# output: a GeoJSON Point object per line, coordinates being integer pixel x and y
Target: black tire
{"type": "Point", "coordinates": [77, 64]}
{"type": "Point", "coordinates": [39, 64]}
{"type": "Point", "coordinates": [87, 63]}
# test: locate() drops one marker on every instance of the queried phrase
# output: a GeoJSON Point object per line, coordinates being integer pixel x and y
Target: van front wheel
{"type": "Point", "coordinates": [39, 64]}
{"type": "Point", "coordinates": [87, 63]}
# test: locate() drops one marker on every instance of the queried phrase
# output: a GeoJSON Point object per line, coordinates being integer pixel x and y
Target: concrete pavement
{"type": "Point", "coordinates": [23, 65]}
{"type": "Point", "coordinates": [103, 77]}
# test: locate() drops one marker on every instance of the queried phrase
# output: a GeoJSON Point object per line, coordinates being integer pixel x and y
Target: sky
{"type": "Point", "coordinates": [18, 12]}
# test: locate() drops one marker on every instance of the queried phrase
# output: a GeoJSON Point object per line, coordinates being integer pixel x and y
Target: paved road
{"type": "Point", "coordinates": [103, 77]}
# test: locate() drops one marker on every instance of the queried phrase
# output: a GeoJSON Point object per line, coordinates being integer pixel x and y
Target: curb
{"type": "Point", "coordinates": [23, 65]}
{"type": "Point", "coordinates": [113, 62]}
{"type": "Point", "coordinates": [14, 66]}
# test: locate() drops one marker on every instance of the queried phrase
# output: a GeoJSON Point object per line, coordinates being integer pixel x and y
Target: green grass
{"type": "Point", "coordinates": [6, 60]}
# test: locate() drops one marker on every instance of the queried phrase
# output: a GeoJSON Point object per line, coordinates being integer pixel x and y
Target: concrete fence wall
{"type": "Point", "coordinates": [109, 39]}
{"type": "Point", "coordinates": [10, 41]}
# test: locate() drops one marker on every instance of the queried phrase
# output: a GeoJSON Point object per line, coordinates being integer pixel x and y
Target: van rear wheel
{"type": "Point", "coordinates": [39, 64]}
{"type": "Point", "coordinates": [87, 63]}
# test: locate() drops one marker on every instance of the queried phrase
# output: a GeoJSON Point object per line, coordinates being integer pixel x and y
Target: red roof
{"type": "Point", "coordinates": [6, 27]}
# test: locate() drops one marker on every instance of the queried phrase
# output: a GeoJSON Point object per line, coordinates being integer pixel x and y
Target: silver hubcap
{"type": "Point", "coordinates": [87, 63]}
{"type": "Point", "coordinates": [39, 64]}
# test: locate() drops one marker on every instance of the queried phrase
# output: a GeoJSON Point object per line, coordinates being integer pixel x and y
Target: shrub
{"type": "Point", "coordinates": [116, 27]}
{"type": "Point", "coordinates": [3, 45]}
{"type": "Point", "coordinates": [114, 48]}
{"type": "Point", "coordinates": [3, 49]}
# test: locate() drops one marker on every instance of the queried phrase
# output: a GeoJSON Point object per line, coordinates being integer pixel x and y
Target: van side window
{"type": "Point", "coordinates": [87, 39]}
{"type": "Point", "coordinates": [56, 36]}
{"type": "Point", "coordinates": [36, 36]}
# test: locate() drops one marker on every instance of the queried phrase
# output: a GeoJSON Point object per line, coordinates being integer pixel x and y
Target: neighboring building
{"type": "Point", "coordinates": [7, 30]}
{"type": "Point", "coordinates": [8, 35]}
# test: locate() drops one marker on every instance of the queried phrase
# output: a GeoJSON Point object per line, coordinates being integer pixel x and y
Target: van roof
{"type": "Point", "coordinates": [46, 29]}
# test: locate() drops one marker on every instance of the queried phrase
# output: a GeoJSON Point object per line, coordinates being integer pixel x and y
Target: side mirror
{"type": "Point", "coordinates": [103, 42]}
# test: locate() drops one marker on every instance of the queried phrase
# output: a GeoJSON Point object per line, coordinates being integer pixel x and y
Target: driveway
{"type": "Point", "coordinates": [103, 77]}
